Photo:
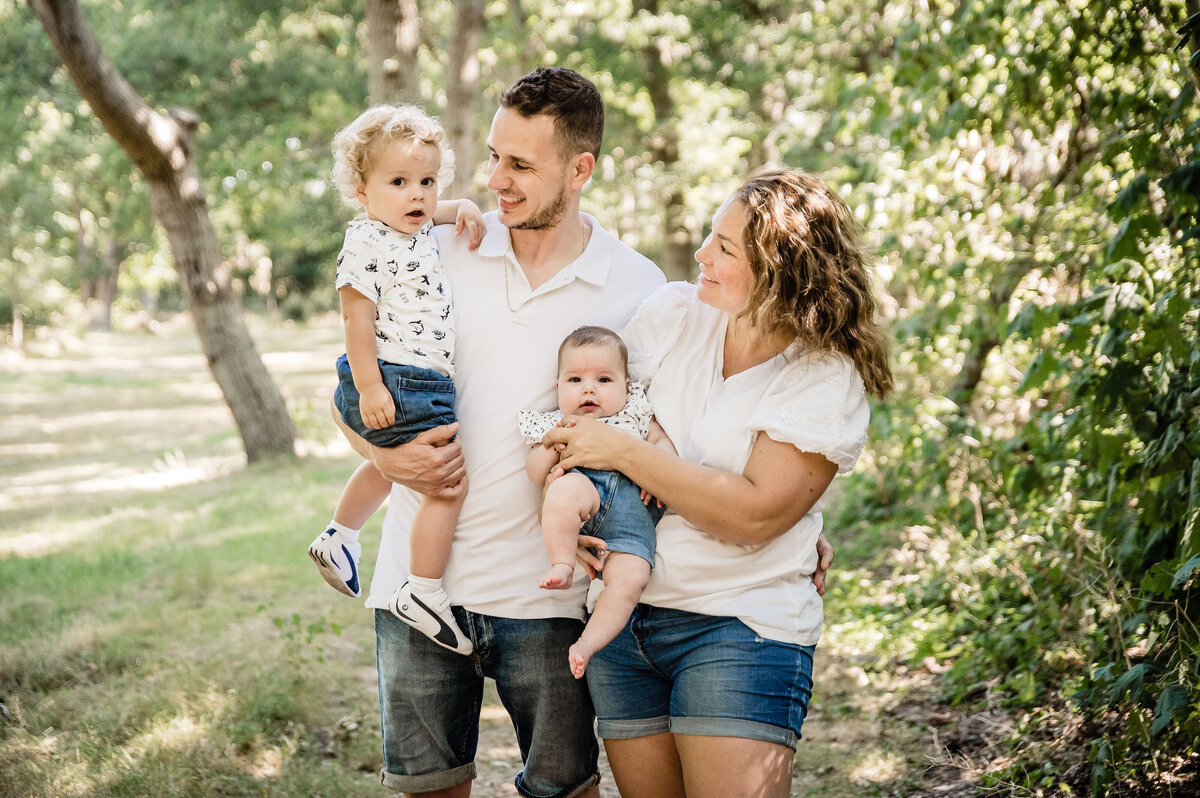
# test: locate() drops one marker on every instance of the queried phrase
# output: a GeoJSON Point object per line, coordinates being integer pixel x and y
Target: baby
{"type": "Point", "coordinates": [396, 378]}
{"type": "Point", "coordinates": [593, 380]}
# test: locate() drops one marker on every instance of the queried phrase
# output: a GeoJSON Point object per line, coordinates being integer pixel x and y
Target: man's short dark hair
{"type": "Point", "coordinates": [568, 97]}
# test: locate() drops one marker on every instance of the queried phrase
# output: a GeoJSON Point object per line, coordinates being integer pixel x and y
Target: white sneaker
{"type": "Point", "coordinates": [337, 560]}
{"type": "Point", "coordinates": [435, 621]}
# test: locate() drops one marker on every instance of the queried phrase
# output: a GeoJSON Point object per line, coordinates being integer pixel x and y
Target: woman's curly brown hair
{"type": "Point", "coordinates": [810, 275]}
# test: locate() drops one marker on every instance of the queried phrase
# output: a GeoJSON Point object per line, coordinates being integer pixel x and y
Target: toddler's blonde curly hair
{"type": "Point", "coordinates": [356, 143]}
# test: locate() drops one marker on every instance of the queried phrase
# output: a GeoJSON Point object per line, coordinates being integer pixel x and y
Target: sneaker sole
{"type": "Point", "coordinates": [349, 587]}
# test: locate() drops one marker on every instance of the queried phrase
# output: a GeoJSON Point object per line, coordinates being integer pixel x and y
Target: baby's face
{"type": "Point", "coordinates": [592, 381]}
{"type": "Point", "coordinates": [400, 189]}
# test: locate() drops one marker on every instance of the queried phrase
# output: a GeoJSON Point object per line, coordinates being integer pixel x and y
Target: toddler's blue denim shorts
{"type": "Point", "coordinates": [424, 399]}
{"type": "Point", "coordinates": [677, 671]}
{"type": "Point", "coordinates": [622, 521]}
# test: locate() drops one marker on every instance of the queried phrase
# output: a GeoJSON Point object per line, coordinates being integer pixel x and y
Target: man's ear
{"type": "Point", "coordinates": [583, 167]}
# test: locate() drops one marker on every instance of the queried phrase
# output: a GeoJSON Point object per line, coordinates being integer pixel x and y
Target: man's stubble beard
{"type": "Point", "coordinates": [548, 217]}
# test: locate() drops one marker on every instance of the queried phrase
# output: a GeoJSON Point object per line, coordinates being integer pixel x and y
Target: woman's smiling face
{"type": "Point", "coordinates": [726, 278]}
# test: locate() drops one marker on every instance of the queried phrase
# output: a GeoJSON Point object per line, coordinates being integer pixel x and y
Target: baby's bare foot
{"type": "Point", "coordinates": [579, 655]}
{"type": "Point", "coordinates": [559, 577]}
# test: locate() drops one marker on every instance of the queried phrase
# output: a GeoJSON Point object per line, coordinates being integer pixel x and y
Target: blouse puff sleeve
{"type": "Point", "coordinates": [655, 327]}
{"type": "Point", "coordinates": [818, 404]}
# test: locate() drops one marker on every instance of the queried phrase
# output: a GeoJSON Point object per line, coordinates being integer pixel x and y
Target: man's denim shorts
{"type": "Point", "coordinates": [424, 399]}
{"type": "Point", "coordinates": [622, 521]}
{"type": "Point", "coordinates": [677, 671]}
{"type": "Point", "coordinates": [430, 698]}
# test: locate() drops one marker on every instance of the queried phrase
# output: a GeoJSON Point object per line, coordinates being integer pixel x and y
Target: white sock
{"type": "Point", "coordinates": [424, 586]}
{"type": "Point", "coordinates": [347, 533]}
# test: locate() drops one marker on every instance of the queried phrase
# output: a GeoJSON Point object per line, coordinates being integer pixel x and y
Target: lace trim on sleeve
{"type": "Point", "coordinates": [633, 418]}
{"type": "Point", "coordinates": [534, 424]}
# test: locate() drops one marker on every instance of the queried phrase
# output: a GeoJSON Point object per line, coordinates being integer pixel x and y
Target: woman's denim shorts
{"type": "Point", "coordinates": [677, 671]}
{"type": "Point", "coordinates": [424, 399]}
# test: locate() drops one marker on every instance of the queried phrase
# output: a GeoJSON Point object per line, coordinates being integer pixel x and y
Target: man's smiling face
{"type": "Point", "coordinates": [528, 172]}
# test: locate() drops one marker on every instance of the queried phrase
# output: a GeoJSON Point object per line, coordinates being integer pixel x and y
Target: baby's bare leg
{"type": "Point", "coordinates": [625, 577]}
{"type": "Point", "coordinates": [569, 501]}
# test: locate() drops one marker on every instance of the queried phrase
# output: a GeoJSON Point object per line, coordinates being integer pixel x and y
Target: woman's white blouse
{"type": "Point", "coordinates": [814, 401]}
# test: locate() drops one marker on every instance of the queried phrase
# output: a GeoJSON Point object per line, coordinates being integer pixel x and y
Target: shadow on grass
{"type": "Point", "coordinates": [184, 645]}
{"type": "Point", "coordinates": [162, 631]}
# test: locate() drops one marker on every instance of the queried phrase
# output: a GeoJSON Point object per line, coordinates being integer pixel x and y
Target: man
{"type": "Point", "coordinates": [543, 269]}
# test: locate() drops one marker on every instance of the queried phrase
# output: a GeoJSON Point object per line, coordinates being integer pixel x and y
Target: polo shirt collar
{"type": "Point", "coordinates": [591, 266]}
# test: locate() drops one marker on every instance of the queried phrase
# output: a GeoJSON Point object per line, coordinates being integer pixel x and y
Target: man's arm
{"type": "Point", "coordinates": [431, 463]}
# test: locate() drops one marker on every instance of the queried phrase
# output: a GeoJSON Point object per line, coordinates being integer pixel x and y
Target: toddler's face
{"type": "Point", "coordinates": [400, 188]}
{"type": "Point", "coordinates": [592, 381]}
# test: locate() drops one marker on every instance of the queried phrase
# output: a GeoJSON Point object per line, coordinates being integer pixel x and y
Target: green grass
{"type": "Point", "coordinates": [162, 632]}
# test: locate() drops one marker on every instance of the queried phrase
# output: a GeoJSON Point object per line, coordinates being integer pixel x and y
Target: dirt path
{"type": "Point", "coordinates": [867, 733]}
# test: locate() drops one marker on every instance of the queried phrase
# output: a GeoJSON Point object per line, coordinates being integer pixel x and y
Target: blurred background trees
{"type": "Point", "coordinates": [1027, 174]}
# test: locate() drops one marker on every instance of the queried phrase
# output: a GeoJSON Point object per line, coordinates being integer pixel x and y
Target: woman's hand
{"type": "Point", "coordinates": [590, 554]}
{"type": "Point", "coordinates": [824, 561]}
{"type": "Point", "coordinates": [586, 442]}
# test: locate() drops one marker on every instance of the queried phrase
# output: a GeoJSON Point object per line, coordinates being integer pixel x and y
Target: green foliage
{"type": "Point", "coordinates": [1059, 486]}
{"type": "Point", "coordinates": [1028, 174]}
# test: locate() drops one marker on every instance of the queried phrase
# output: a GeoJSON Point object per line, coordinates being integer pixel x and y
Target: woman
{"type": "Point", "coordinates": [759, 373]}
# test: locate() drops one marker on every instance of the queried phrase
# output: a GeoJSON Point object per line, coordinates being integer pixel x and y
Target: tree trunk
{"type": "Point", "coordinates": [161, 148]}
{"type": "Point", "coordinates": [393, 39]}
{"type": "Point", "coordinates": [520, 21]}
{"type": "Point", "coordinates": [83, 254]}
{"type": "Point", "coordinates": [104, 287]}
{"type": "Point", "coordinates": [18, 311]}
{"type": "Point", "coordinates": [1193, 8]}
{"type": "Point", "coordinates": [982, 334]}
{"type": "Point", "coordinates": [98, 267]}
{"type": "Point", "coordinates": [676, 261]}
{"type": "Point", "coordinates": [462, 91]}
{"type": "Point", "coordinates": [531, 50]}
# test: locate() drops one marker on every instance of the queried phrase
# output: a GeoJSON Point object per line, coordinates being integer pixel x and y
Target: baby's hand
{"type": "Point", "coordinates": [376, 406]}
{"type": "Point", "coordinates": [648, 497]}
{"type": "Point", "coordinates": [470, 217]}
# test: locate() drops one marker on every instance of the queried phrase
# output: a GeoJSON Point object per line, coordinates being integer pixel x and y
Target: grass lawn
{"type": "Point", "coordinates": [162, 632]}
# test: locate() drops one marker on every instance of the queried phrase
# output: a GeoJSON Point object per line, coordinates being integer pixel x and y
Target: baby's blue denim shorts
{"type": "Point", "coordinates": [622, 521]}
{"type": "Point", "coordinates": [678, 671]}
{"type": "Point", "coordinates": [424, 399]}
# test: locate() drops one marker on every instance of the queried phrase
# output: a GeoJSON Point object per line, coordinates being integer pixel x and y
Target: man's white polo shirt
{"type": "Point", "coordinates": [507, 347]}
